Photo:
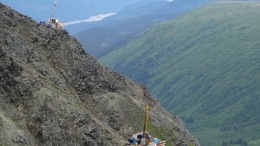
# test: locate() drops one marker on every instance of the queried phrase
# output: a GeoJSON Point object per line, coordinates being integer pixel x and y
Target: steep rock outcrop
{"type": "Point", "coordinates": [53, 93]}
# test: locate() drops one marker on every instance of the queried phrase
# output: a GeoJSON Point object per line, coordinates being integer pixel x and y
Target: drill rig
{"type": "Point", "coordinates": [54, 22]}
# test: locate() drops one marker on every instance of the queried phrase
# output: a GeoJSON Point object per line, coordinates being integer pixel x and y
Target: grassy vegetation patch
{"type": "Point", "coordinates": [254, 142]}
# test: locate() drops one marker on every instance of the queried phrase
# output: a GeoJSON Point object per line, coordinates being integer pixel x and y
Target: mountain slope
{"type": "Point", "coordinates": [203, 66]}
{"type": "Point", "coordinates": [53, 93]}
{"type": "Point", "coordinates": [130, 21]}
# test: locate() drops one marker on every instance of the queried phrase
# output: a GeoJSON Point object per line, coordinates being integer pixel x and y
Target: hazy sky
{"type": "Point", "coordinates": [67, 10]}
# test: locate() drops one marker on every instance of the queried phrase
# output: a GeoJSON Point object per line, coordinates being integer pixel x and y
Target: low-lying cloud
{"type": "Point", "coordinates": [90, 19]}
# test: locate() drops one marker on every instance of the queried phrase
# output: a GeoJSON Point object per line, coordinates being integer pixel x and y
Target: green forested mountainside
{"type": "Point", "coordinates": [115, 32]}
{"type": "Point", "coordinates": [205, 67]}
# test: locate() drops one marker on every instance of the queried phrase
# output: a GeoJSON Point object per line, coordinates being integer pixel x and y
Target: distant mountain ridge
{"type": "Point", "coordinates": [203, 66]}
{"type": "Point", "coordinates": [98, 40]}
{"type": "Point", "coordinates": [67, 10]}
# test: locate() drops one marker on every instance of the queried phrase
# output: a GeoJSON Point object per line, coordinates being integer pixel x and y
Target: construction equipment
{"type": "Point", "coordinates": [144, 138]}
{"type": "Point", "coordinates": [54, 22]}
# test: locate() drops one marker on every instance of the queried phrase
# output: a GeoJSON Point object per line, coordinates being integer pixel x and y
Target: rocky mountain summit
{"type": "Point", "coordinates": [53, 93]}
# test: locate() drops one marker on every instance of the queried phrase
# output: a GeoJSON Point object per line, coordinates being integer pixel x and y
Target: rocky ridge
{"type": "Point", "coordinates": [53, 93]}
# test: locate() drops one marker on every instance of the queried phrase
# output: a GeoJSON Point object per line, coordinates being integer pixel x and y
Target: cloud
{"type": "Point", "coordinates": [90, 19]}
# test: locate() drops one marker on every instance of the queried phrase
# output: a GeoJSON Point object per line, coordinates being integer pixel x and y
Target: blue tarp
{"type": "Point", "coordinates": [132, 140]}
{"type": "Point", "coordinates": [155, 140]}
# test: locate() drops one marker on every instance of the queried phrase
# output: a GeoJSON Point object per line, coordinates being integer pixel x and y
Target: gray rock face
{"type": "Point", "coordinates": [53, 93]}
